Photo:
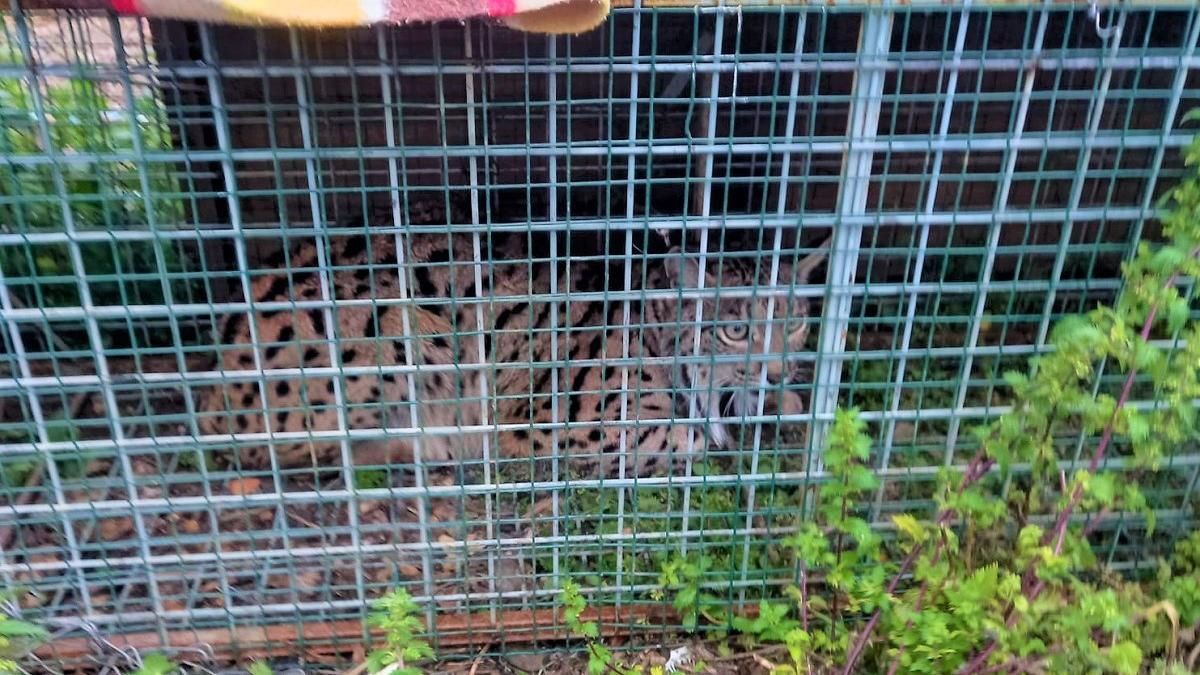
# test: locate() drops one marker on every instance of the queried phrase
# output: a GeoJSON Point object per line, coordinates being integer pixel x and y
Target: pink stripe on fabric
{"type": "Point", "coordinates": [399, 11]}
{"type": "Point", "coordinates": [502, 7]}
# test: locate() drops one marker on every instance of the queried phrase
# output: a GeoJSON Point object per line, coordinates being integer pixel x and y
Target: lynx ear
{"type": "Point", "coordinates": [683, 269]}
{"type": "Point", "coordinates": [813, 260]}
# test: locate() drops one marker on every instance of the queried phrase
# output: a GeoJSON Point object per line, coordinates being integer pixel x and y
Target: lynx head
{"type": "Point", "coordinates": [741, 330]}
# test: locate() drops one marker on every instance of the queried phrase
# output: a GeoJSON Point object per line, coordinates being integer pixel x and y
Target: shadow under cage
{"type": "Point", "coordinates": [293, 319]}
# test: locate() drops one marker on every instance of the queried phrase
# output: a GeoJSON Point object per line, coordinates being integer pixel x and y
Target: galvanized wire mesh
{"type": "Point", "coordinates": [981, 171]}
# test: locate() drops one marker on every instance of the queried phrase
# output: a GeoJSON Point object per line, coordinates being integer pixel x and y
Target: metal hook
{"type": "Point", "coordinates": [1105, 32]}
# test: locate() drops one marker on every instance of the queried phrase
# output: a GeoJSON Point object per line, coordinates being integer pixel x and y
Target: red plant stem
{"type": "Point", "coordinates": [916, 608]}
{"type": "Point", "coordinates": [1094, 523]}
{"type": "Point", "coordinates": [860, 642]}
{"type": "Point", "coordinates": [907, 626]}
{"type": "Point", "coordinates": [976, 469]}
{"type": "Point", "coordinates": [1017, 665]}
{"type": "Point", "coordinates": [1060, 526]}
{"type": "Point", "coordinates": [1059, 533]}
{"type": "Point", "coordinates": [980, 659]}
{"type": "Point", "coordinates": [1031, 594]}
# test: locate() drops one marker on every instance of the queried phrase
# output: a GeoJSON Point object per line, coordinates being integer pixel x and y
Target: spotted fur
{"type": "Point", "coordinates": [489, 327]}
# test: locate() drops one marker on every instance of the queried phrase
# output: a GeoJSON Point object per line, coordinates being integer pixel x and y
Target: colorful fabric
{"type": "Point", "coordinates": [540, 16]}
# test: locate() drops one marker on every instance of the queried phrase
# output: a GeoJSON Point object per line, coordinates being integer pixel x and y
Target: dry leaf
{"type": "Point", "coordinates": [244, 486]}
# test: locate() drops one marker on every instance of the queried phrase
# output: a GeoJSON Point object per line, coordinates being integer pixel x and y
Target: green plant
{"type": "Point", "coordinates": [1000, 576]}
{"type": "Point", "coordinates": [1026, 602]}
{"type": "Point", "coordinates": [1005, 580]}
{"type": "Point", "coordinates": [156, 664]}
{"type": "Point", "coordinates": [839, 546]}
{"type": "Point", "coordinates": [259, 668]}
{"type": "Point", "coordinates": [592, 511]}
{"type": "Point", "coordinates": [775, 624]}
{"type": "Point", "coordinates": [600, 658]}
{"type": "Point", "coordinates": [1180, 580]}
{"type": "Point", "coordinates": [1031, 599]}
{"type": "Point", "coordinates": [71, 465]}
{"type": "Point", "coordinates": [77, 118]}
{"type": "Point", "coordinates": [370, 479]}
{"type": "Point", "coordinates": [683, 576]}
{"type": "Point", "coordinates": [17, 637]}
{"type": "Point", "coordinates": [396, 615]}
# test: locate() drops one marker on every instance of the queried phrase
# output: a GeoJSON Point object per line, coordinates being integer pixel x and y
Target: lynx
{"type": "Point", "coordinates": [496, 327]}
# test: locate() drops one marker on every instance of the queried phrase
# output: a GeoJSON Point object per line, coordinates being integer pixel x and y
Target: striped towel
{"type": "Point", "coordinates": [538, 16]}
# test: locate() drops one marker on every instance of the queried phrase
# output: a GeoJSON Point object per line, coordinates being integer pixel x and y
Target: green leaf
{"type": "Point", "coordinates": [863, 480]}
{"type": "Point", "coordinates": [1103, 488]}
{"type": "Point", "coordinates": [1177, 314]}
{"type": "Point", "coordinates": [1021, 604]}
{"type": "Point", "coordinates": [1139, 425]}
{"type": "Point", "coordinates": [596, 666]}
{"type": "Point", "coordinates": [259, 668]}
{"type": "Point", "coordinates": [1029, 538]}
{"type": "Point", "coordinates": [909, 525]}
{"type": "Point", "coordinates": [743, 625]}
{"type": "Point", "coordinates": [1125, 658]}
{"type": "Point", "coordinates": [599, 659]}
{"type": "Point", "coordinates": [417, 651]}
{"type": "Point", "coordinates": [1145, 355]}
{"type": "Point", "coordinates": [1015, 379]}
{"type": "Point", "coordinates": [974, 593]}
{"type": "Point", "coordinates": [1076, 333]}
{"type": "Point", "coordinates": [860, 530]}
{"type": "Point", "coordinates": [379, 659]}
{"type": "Point", "coordinates": [686, 597]}
{"type": "Point", "coordinates": [1167, 260]}
{"type": "Point", "coordinates": [1032, 645]}
{"type": "Point", "coordinates": [156, 664]}
{"type": "Point", "coordinates": [17, 628]}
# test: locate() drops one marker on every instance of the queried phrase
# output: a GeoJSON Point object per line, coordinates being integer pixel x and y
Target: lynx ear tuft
{"type": "Point", "coordinates": [682, 268]}
{"type": "Point", "coordinates": [813, 260]}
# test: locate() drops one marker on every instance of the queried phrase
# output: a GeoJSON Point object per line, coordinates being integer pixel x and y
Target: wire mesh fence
{"type": "Point", "coordinates": [292, 319]}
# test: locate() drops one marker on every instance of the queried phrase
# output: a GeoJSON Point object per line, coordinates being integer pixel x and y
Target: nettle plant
{"type": "Point", "coordinates": [398, 616]}
{"type": "Point", "coordinates": [1036, 599]}
{"type": "Point", "coordinates": [1002, 580]}
{"type": "Point", "coordinates": [1005, 581]}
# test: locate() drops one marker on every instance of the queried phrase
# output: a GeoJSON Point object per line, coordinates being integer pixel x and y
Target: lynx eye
{"type": "Point", "coordinates": [735, 331]}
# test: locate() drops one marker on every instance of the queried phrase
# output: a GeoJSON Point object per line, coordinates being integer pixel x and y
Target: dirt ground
{"type": "Point", "coordinates": [691, 657]}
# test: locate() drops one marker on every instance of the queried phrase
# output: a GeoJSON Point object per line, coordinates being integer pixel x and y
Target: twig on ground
{"type": "Point", "coordinates": [756, 654]}
{"type": "Point", "coordinates": [763, 662]}
{"type": "Point", "coordinates": [478, 659]}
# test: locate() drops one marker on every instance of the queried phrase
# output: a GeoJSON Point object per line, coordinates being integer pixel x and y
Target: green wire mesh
{"type": "Point", "coordinates": [982, 172]}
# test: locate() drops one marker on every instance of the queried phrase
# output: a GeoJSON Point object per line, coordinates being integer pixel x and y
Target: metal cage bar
{"type": "Point", "coordinates": [874, 41]}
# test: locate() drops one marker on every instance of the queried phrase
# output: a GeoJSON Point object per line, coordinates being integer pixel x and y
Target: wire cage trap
{"type": "Point", "coordinates": [293, 319]}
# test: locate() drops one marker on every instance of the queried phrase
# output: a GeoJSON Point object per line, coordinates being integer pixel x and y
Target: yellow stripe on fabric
{"type": "Point", "coordinates": [312, 13]}
{"type": "Point", "coordinates": [562, 18]}
{"type": "Point", "coordinates": [303, 12]}
{"type": "Point", "coordinates": [553, 17]}
{"type": "Point", "coordinates": [209, 11]}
